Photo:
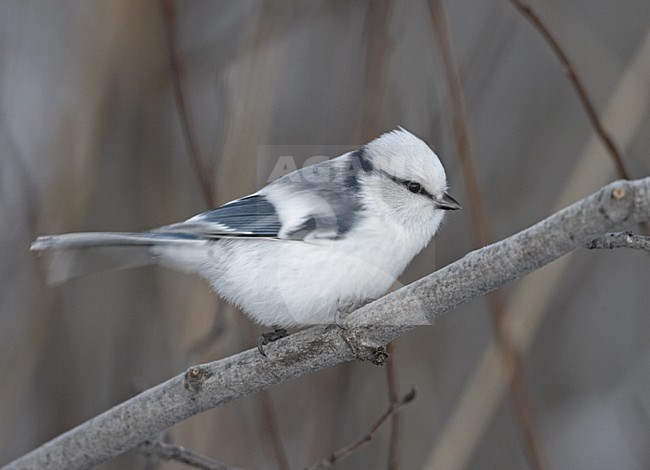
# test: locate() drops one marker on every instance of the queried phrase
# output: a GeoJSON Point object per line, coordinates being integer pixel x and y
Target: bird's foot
{"type": "Point", "coordinates": [339, 318]}
{"type": "Point", "coordinates": [269, 337]}
{"type": "Point", "coordinates": [344, 310]}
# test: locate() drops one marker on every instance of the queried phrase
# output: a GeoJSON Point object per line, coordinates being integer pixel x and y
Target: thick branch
{"type": "Point", "coordinates": [209, 385]}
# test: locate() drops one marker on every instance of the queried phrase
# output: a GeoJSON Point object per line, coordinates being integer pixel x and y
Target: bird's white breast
{"type": "Point", "coordinates": [295, 283]}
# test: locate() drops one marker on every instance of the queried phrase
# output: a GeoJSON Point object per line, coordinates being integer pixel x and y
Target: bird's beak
{"type": "Point", "coordinates": [447, 203]}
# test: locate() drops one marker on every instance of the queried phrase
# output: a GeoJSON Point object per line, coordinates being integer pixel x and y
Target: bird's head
{"type": "Point", "coordinates": [405, 178]}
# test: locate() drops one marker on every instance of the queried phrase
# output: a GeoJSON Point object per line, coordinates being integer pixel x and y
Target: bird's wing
{"type": "Point", "coordinates": [251, 216]}
{"type": "Point", "coordinates": [317, 202]}
{"type": "Point", "coordinates": [320, 201]}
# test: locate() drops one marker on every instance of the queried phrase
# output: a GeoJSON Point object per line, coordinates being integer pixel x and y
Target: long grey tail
{"type": "Point", "coordinates": [99, 239]}
{"type": "Point", "coordinates": [69, 255]}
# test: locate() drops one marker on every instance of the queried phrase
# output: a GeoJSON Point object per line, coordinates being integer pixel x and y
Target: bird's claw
{"type": "Point", "coordinates": [269, 337]}
{"type": "Point", "coordinates": [338, 320]}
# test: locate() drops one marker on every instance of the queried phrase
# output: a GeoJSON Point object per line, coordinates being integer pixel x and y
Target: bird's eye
{"type": "Point", "coordinates": [413, 186]}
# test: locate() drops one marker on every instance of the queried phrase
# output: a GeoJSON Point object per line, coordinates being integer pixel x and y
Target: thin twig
{"type": "Point", "coordinates": [459, 123]}
{"type": "Point", "coordinates": [269, 428]}
{"type": "Point", "coordinates": [345, 451]}
{"type": "Point", "coordinates": [581, 90]}
{"type": "Point", "coordinates": [393, 395]}
{"type": "Point", "coordinates": [379, 47]}
{"type": "Point", "coordinates": [270, 422]}
{"type": "Point", "coordinates": [481, 232]}
{"type": "Point", "coordinates": [201, 167]}
{"type": "Point", "coordinates": [178, 453]}
{"type": "Point", "coordinates": [620, 240]}
{"type": "Point", "coordinates": [586, 101]}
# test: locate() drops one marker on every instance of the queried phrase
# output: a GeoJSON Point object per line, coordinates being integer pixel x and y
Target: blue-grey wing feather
{"type": "Point", "coordinates": [250, 216]}
{"type": "Point", "coordinates": [336, 184]}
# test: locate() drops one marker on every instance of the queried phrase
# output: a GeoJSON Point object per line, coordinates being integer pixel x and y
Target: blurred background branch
{"type": "Point", "coordinates": [580, 89]}
{"type": "Point", "coordinates": [345, 452]}
{"type": "Point", "coordinates": [577, 83]}
{"type": "Point", "coordinates": [481, 233]}
{"type": "Point", "coordinates": [202, 168]}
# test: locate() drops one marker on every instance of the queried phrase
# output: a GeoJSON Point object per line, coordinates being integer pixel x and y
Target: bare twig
{"type": "Point", "coordinates": [269, 428]}
{"type": "Point", "coordinates": [581, 90]}
{"type": "Point", "coordinates": [201, 166]}
{"type": "Point", "coordinates": [379, 47]}
{"type": "Point", "coordinates": [393, 395]}
{"type": "Point", "coordinates": [269, 419]}
{"type": "Point", "coordinates": [209, 385]}
{"type": "Point", "coordinates": [181, 454]}
{"type": "Point", "coordinates": [586, 101]}
{"type": "Point", "coordinates": [459, 123]}
{"type": "Point", "coordinates": [481, 231]}
{"type": "Point", "coordinates": [344, 452]}
{"type": "Point", "coordinates": [620, 240]}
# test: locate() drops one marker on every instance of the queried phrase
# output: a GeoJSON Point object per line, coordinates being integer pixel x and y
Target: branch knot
{"type": "Point", "coordinates": [617, 201]}
{"type": "Point", "coordinates": [194, 378]}
{"type": "Point", "coordinates": [362, 349]}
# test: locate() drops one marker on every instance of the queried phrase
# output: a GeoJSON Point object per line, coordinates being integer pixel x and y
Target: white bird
{"type": "Point", "coordinates": [318, 241]}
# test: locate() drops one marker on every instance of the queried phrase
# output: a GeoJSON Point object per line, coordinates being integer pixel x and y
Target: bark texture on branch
{"type": "Point", "coordinates": [209, 385]}
{"type": "Point", "coordinates": [610, 241]}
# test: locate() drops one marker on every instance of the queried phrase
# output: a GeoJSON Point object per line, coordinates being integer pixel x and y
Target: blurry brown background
{"type": "Point", "coordinates": [91, 139]}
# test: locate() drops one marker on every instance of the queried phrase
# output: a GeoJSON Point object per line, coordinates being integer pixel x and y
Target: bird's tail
{"type": "Point", "coordinates": [69, 255]}
{"type": "Point", "coordinates": [101, 239]}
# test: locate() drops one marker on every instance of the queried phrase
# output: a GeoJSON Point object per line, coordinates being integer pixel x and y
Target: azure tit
{"type": "Point", "coordinates": [323, 239]}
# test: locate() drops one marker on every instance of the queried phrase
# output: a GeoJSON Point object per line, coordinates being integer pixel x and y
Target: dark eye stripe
{"type": "Point", "coordinates": [409, 184]}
